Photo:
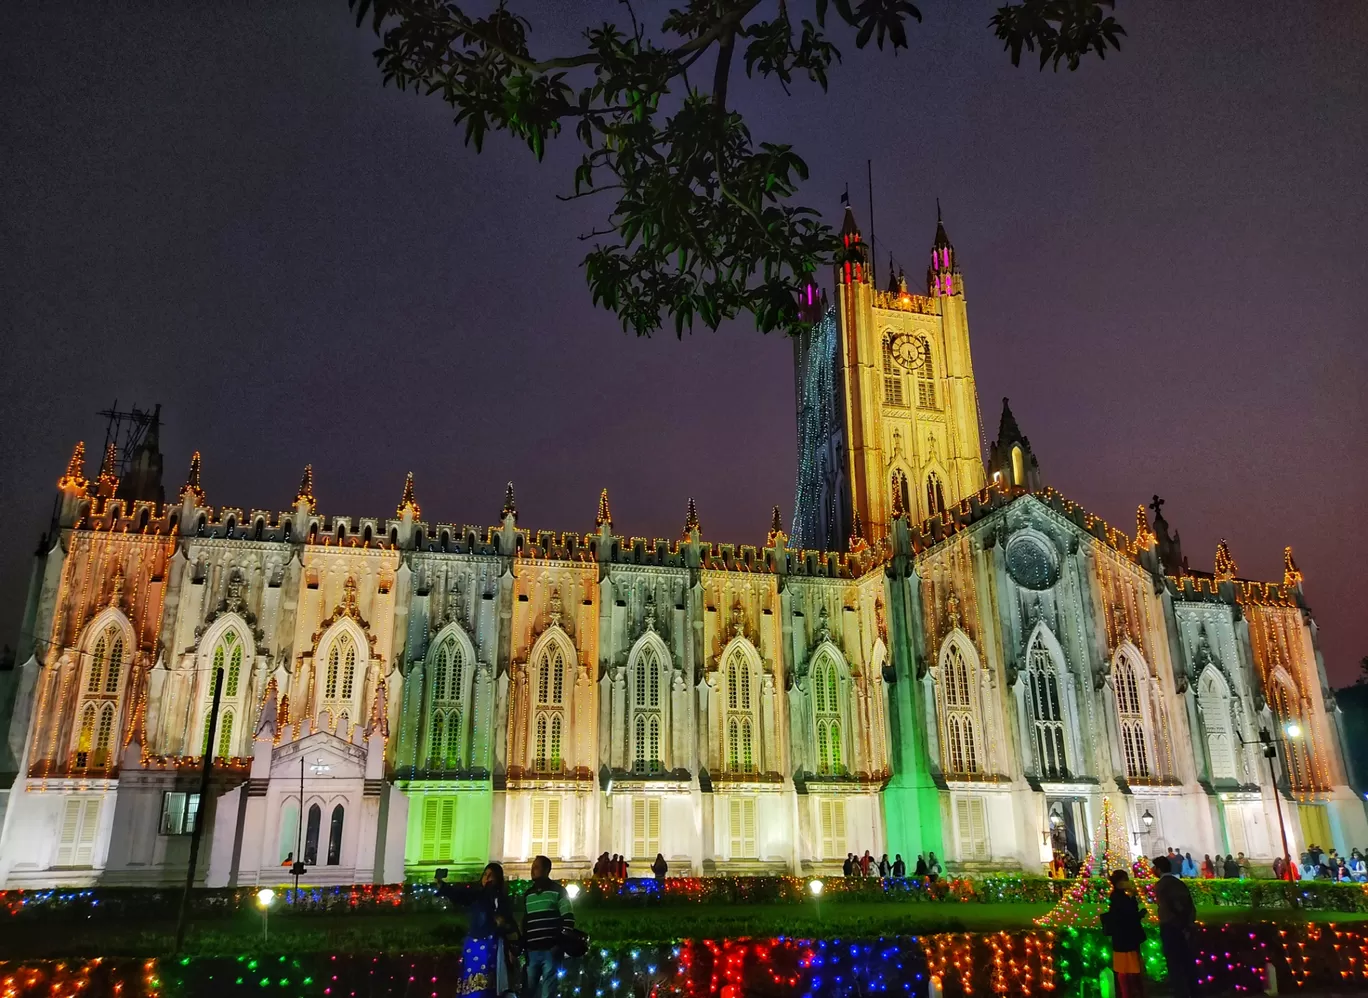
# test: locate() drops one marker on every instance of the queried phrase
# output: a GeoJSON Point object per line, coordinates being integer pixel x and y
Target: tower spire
{"type": "Point", "coordinates": [305, 495]}
{"type": "Point", "coordinates": [192, 486]}
{"type": "Point", "coordinates": [1292, 576]}
{"type": "Point", "coordinates": [943, 276]}
{"type": "Point", "coordinates": [1144, 536]}
{"type": "Point", "coordinates": [1010, 460]}
{"type": "Point", "coordinates": [604, 516]}
{"type": "Point", "coordinates": [510, 506]}
{"type": "Point", "coordinates": [851, 265]}
{"type": "Point", "coordinates": [108, 481]}
{"type": "Point", "coordinates": [1225, 563]}
{"type": "Point", "coordinates": [691, 518]}
{"type": "Point", "coordinates": [408, 502]}
{"type": "Point", "coordinates": [776, 534]}
{"type": "Point", "coordinates": [75, 480]}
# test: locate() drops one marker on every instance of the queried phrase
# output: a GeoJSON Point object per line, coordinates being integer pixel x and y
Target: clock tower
{"type": "Point", "coordinates": [891, 426]}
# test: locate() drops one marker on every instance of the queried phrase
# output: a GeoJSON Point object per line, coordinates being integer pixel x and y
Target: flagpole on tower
{"type": "Point", "coordinates": [873, 246]}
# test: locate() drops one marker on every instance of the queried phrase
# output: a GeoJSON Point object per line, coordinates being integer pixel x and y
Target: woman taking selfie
{"type": "Point", "coordinates": [489, 959]}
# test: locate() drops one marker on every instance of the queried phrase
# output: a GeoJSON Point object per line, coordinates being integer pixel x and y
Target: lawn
{"type": "Point", "coordinates": [326, 933]}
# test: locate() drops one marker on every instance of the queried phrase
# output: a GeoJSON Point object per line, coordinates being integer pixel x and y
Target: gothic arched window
{"type": "Point", "coordinates": [548, 711]}
{"type": "Point", "coordinates": [342, 678]}
{"type": "Point", "coordinates": [926, 377]}
{"type": "Point", "coordinates": [85, 738]}
{"type": "Point", "coordinates": [335, 836]}
{"type": "Point", "coordinates": [225, 736]}
{"type": "Point", "coordinates": [893, 376]}
{"type": "Point", "coordinates": [446, 729]}
{"type": "Point", "coordinates": [959, 712]}
{"type": "Point", "coordinates": [826, 716]}
{"type": "Point", "coordinates": [227, 657]}
{"type": "Point", "coordinates": [742, 716]}
{"type": "Point", "coordinates": [1046, 708]}
{"type": "Point", "coordinates": [311, 835]}
{"type": "Point", "coordinates": [1131, 718]}
{"type": "Point", "coordinates": [1295, 751]}
{"type": "Point", "coordinates": [935, 495]}
{"type": "Point", "coordinates": [900, 490]}
{"type": "Point", "coordinates": [94, 739]}
{"type": "Point", "coordinates": [1213, 701]}
{"type": "Point", "coordinates": [646, 711]}
{"type": "Point", "coordinates": [106, 661]}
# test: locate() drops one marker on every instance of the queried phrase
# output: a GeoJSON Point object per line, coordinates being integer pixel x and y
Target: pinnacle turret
{"type": "Point", "coordinates": [192, 488]}
{"type": "Point", "coordinates": [942, 276]}
{"type": "Point", "coordinates": [108, 482]}
{"type": "Point", "coordinates": [305, 495]}
{"type": "Point", "coordinates": [408, 502]}
{"type": "Point", "coordinates": [851, 265]}
{"type": "Point", "coordinates": [1010, 460]}
{"type": "Point", "coordinates": [691, 518]}
{"type": "Point", "coordinates": [604, 516]}
{"type": "Point", "coordinates": [1292, 576]}
{"type": "Point", "coordinates": [1225, 563]}
{"type": "Point", "coordinates": [75, 480]}
{"type": "Point", "coordinates": [510, 505]}
{"type": "Point", "coordinates": [776, 533]}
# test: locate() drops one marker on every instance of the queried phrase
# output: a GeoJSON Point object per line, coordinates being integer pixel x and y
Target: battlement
{"type": "Point", "coordinates": [905, 302]}
{"type": "Point", "coordinates": [304, 526]}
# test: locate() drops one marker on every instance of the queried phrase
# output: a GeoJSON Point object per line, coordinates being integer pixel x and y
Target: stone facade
{"type": "Point", "coordinates": [946, 658]}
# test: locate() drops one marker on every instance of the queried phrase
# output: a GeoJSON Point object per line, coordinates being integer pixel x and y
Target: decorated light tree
{"type": "Point", "coordinates": [1080, 904]}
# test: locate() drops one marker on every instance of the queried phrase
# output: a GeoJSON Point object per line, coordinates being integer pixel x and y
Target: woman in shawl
{"type": "Point", "coordinates": [489, 959]}
{"type": "Point", "coordinates": [1122, 921]}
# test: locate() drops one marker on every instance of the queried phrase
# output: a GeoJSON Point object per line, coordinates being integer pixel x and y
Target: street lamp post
{"type": "Point", "coordinates": [1147, 820]}
{"type": "Point", "coordinates": [815, 887]}
{"type": "Point", "coordinates": [264, 898]}
{"type": "Point", "coordinates": [200, 808]}
{"type": "Point", "coordinates": [1270, 751]}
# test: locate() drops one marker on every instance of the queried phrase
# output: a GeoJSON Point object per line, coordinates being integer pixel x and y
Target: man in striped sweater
{"type": "Point", "coordinates": [547, 915]}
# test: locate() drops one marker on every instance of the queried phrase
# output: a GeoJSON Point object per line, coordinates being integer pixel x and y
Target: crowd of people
{"type": "Point", "coordinates": [1230, 867]}
{"type": "Point", "coordinates": [616, 867]}
{"type": "Point", "coordinates": [867, 866]}
{"type": "Point", "coordinates": [1317, 864]}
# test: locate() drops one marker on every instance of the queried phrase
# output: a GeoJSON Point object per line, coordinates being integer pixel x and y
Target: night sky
{"type": "Point", "coordinates": [222, 210]}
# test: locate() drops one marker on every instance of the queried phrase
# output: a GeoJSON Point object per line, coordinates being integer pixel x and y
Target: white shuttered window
{"type": "Point", "coordinates": [973, 828]}
{"type": "Point", "coordinates": [645, 828]}
{"type": "Point", "coordinates": [743, 828]}
{"type": "Point", "coordinates": [546, 827]}
{"type": "Point", "coordinates": [833, 822]}
{"type": "Point", "coordinates": [80, 821]}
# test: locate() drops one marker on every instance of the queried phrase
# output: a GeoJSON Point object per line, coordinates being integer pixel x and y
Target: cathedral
{"type": "Point", "coordinates": [942, 654]}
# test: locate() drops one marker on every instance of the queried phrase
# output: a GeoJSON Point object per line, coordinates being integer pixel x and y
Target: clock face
{"type": "Point", "coordinates": [910, 351]}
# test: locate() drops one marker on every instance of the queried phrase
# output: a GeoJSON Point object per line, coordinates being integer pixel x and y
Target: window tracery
{"type": "Point", "coordinates": [93, 740]}
{"type": "Point", "coordinates": [646, 711]}
{"type": "Point", "coordinates": [446, 727]}
{"type": "Point", "coordinates": [1131, 718]}
{"type": "Point", "coordinates": [826, 716]}
{"type": "Point", "coordinates": [1046, 707]}
{"type": "Point", "coordinates": [549, 708]}
{"type": "Point", "coordinates": [935, 495]}
{"type": "Point", "coordinates": [959, 712]}
{"type": "Point", "coordinates": [742, 715]}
